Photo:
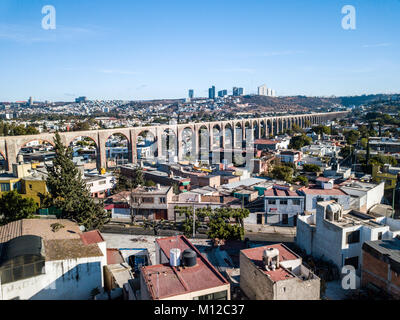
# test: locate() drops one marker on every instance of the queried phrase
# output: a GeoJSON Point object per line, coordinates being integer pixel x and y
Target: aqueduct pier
{"type": "Point", "coordinates": [260, 127]}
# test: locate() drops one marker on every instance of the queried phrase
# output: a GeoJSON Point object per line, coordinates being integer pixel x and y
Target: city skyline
{"type": "Point", "coordinates": [136, 51]}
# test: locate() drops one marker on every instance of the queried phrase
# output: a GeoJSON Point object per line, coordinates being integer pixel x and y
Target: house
{"type": "Point", "coordinates": [100, 185]}
{"type": "Point", "coordinates": [337, 235]}
{"type": "Point", "coordinates": [181, 272]}
{"type": "Point", "coordinates": [386, 174]}
{"type": "Point", "coordinates": [49, 259]}
{"type": "Point", "coordinates": [313, 195]}
{"type": "Point", "coordinates": [363, 195]}
{"type": "Point", "coordinates": [290, 156]}
{"type": "Point", "coordinates": [276, 273]}
{"type": "Point", "coordinates": [271, 144]}
{"type": "Point", "coordinates": [148, 202]}
{"type": "Point", "coordinates": [381, 266]}
{"type": "Point", "coordinates": [282, 206]}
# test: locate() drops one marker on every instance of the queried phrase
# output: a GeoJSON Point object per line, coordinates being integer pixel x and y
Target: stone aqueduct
{"type": "Point", "coordinates": [261, 127]}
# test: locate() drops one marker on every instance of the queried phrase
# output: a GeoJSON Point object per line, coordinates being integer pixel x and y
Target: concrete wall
{"type": "Point", "coordinates": [257, 286]}
{"type": "Point", "coordinates": [64, 280]}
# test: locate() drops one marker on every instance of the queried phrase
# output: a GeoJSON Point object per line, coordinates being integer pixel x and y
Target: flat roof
{"type": "Point", "coordinates": [285, 254]}
{"type": "Point", "coordinates": [66, 243]}
{"type": "Point", "coordinates": [164, 281]}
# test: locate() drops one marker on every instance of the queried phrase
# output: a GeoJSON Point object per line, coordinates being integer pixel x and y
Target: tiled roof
{"type": "Point", "coordinates": [165, 281]}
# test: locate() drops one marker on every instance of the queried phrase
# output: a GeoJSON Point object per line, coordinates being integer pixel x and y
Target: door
{"type": "Point", "coordinates": [161, 214]}
{"type": "Point", "coordinates": [285, 219]}
{"type": "Point", "coordinates": [259, 218]}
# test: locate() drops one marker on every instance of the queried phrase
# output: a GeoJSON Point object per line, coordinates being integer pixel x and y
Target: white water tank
{"type": "Point", "coordinates": [175, 257]}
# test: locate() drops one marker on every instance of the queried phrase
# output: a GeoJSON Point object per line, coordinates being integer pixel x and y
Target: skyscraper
{"type": "Point", "coordinates": [30, 101]}
{"type": "Point", "coordinates": [237, 91]}
{"type": "Point", "coordinates": [211, 93]}
{"type": "Point", "coordinates": [191, 93]}
{"type": "Point", "coordinates": [262, 90]}
{"type": "Point", "coordinates": [222, 93]}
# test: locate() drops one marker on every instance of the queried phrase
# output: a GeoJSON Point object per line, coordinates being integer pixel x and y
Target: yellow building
{"type": "Point", "coordinates": [26, 183]}
{"type": "Point", "coordinates": [387, 174]}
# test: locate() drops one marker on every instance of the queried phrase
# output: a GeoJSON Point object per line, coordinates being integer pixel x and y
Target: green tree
{"type": "Point", "coordinates": [302, 179]}
{"type": "Point", "coordinates": [282, 173]}
{"type": "Point", "coordinates": [311, 168]}
{"type": "Point", "coordinates": [297, 142]}
{"type": "Point", "coordinates": [68, 191]}
{"type": "Point", "coordinates": [321, 129]}
{"type": "Point", "coordinates": [351, 136]}
{"type": "Point", "coordinates": [150, 183]}
{"type": "Point", "coordinates": [14, 207]}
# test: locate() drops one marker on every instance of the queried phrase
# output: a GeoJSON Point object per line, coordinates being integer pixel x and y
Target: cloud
{"type": "Point", "coordinates": [385, 44]}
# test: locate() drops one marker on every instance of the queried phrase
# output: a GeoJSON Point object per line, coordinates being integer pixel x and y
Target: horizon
{"type": "Point", "coordinates": [134, 51]}
{"type": "Point", "coordinates": [201, 98]}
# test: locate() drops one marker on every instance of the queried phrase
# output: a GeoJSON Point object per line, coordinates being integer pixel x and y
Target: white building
{"type": "Point", "coordinates": [337, 235]}
{"type": "Point", "coordinates": [262, 90]}
{"type": "Point", "coordinates": [363, 195]}
{"type": "Point", "coordinates": [47, 259]}
{"type": "Point", "coordinates": [100, 186]}
{"type": "Point", "coordinates": [282, 206]}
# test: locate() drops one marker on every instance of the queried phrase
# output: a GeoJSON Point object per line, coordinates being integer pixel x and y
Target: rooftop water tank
{"type": "Point", "coordinates": [175, 257]}
{"type": "Point", "coordinates": [189, 258]}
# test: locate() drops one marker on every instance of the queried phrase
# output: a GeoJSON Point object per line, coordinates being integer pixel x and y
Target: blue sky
{"type": "Point", "coordinates": [129, 49]}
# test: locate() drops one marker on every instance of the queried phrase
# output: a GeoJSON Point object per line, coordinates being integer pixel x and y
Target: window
{"type": "Point", "coordinates": [148, 200]}
{"type": "Point", "coordinates": [102, 182]}
{"type": "Point", "coordinates": [5, 187]}
{"type": "Point", "coordinates": [271, 201]}
{"type": "Point", "coordinates": [380, 236]}
{"type": "Point", "coordinates": [222, 295]}
{"type": "Point", "coordinates": [296, 202]}
{"type": "Point", "coordinates": [163, 200]}
{"type": "Point", "coordinates": [353, 237]}
{"type": "Point", "coordinates": [30, 186]}
{"type": "Point", "coordinates": [353, 261]}
{"type": "Point", "coordinates": [284, 202]}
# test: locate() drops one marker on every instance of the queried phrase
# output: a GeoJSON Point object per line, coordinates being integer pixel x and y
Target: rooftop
{"type": "Point", "coordinates": [65, 243]}
{"type": "Point", "coordinates": [386, 250]}
{"type": "Point", "coordinates": [285, 254]}
{"type": "Point", "coordinates": [165, 281]}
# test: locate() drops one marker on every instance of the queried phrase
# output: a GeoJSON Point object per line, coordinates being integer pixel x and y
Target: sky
{"type": "Point", "coordinates": [142, 50]}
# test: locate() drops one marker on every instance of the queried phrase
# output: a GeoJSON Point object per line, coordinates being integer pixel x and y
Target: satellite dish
{"type": "Point", "coordinates": [82, 228]}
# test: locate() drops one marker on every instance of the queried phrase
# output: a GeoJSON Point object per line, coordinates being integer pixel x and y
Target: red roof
{"type": "Point", "coordinates": [285, 254]}
{"type": "Point", "coordinates": [114, 256]}
{"type": "Point", "coordinates": [273, 192]}
{"type": "Point", "coordinates": [165, 281]}
{"type": "Point", "coordinates": [265, 141]}
{"type": "Point", "coordinates": [318, 191]}
{"type": "Point", "coordinates": [92, 237]}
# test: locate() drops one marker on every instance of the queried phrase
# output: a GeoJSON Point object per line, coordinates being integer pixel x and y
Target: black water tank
{"type": "Point", "coordinates": [189, 258]}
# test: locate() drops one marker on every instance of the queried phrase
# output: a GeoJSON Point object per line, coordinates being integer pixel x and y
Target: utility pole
{"type": "Point", "coordinates": [194, 222]}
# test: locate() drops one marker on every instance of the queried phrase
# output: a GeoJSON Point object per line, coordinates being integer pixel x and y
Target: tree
{"type": "Point", "coordinates": [297, 142]}
{"type": "Point", "coordinates": [311, 168]}
{"type": "Point", "coordinates": [14, 207]}
{"type": "Point", "coordinates": [282, 173]}
{"type": "Point", "coordinates": [68, 191]}
{"type": "Point", "coordinates": [302, 180]}
{"type": "Point", "coordinates": [351, 136]}
{"type": "Point", "coordinates": [321, 129]}
{"type": "Point", "coordinates": [150, 183]}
